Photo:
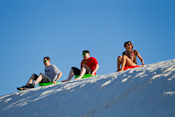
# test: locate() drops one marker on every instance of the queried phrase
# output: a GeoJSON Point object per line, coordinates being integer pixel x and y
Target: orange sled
{"type": "Point", "coordinates": [130, 67]}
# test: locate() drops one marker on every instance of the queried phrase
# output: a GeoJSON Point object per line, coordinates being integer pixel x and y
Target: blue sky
{"type": "Point", "coordinates": [62, 29]}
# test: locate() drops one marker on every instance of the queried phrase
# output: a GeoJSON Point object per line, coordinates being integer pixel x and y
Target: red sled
{"type": "Point", "coordinates": [130, 67]}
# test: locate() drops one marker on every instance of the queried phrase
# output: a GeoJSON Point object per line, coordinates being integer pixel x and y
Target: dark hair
{"type": "Point", "coordinates": [48, 58]}
{"type": "Point", "coordinates": [87, 51]}
{"type": "Point", "coordinates": [127, 43]}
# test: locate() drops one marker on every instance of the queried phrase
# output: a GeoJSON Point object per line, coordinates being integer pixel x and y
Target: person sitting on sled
{"type": "Point", "coordinates": [89, 65]}
{"type": "Point", "coordinates": [129, 57]}
{"type": "Point", "coordinates": [52, 74]}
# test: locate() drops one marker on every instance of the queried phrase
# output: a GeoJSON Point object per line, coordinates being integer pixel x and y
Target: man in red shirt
{"type": "Point", "coordinates": [89, 65]}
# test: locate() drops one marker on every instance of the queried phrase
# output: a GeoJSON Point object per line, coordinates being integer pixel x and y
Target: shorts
{"type": "Point", "coordinates": [45, 79]}
{"type": "Point", "coordinates": [77, 71]}
{"type": "Point", "coordinates": [135, 64]}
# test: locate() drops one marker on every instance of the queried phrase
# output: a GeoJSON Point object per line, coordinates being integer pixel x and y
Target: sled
{"type": "Point", "coordinates": [130, 67]}
{"type": "Point", "coordinates": [45, 84]}
{"type": "Point", "coordinates": [85, 76]}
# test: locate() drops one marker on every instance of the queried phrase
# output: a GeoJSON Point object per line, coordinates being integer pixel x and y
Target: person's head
{"type": "Point", "coordinates": [128, 45]}
{"type": "Point", "coordinates": [86, 54]}
{"type": "Point", "coordinates": [46, 61]}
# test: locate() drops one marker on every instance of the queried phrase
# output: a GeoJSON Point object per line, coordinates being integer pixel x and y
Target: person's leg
{"type": "Point", "coordinates": [84, 70]}
{"type": "Point", "coordinates": [119, 62]}
{"type": "Point", "coordinates": [71, 74]}
{"type": "Point", "coordinates": [38, 80]}
{"type": "Point", "coordinates": [31, 79]}
{"type": "Point", "coordinates": [126, 61]}
{"type": "Point", "coordinates": [42, 78]}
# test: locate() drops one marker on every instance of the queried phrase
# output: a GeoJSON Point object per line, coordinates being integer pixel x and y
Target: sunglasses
{"type": "Point", "coordinates": [45, 61]}
{"type": "Point", "coordinates": [84, 53]}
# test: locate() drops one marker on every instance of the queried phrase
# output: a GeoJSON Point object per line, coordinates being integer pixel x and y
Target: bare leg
{"type": "Point", "coordinates": [126, 61]}
{"type": "Point", "coordinates": [83, 71]}
{"type": "Point", "coordinates": [38, 80]}
{"type": "Point", "coordinates": [119, 62]}
{"type": "Point", "coordinates": [71, 74]}
{"type": "Point", "coordinates": [30, 80]}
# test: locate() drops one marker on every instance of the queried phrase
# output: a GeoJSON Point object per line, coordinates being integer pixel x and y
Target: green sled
{"type": "Point", "coordinates": [45, 84]}
{"type": "Point", "coordinates": [85, 76]}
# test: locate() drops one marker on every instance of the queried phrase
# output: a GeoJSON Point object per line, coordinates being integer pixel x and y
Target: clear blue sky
{"type": "Point", "coordinates": [62, 29]}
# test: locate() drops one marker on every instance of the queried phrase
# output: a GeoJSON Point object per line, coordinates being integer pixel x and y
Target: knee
{"type": "Point", "coordinates": [40, 75]}
{"type": "Point", "coordinates": [33, 76]}
{"type": "Point", "coordinates": [120, 58]}
{"type": "Point", "coordinates": [124, 56]}
{"type": "Point", "coordinates": [83, 65]}
{"type": "Point", "coordinates": [72, 69]}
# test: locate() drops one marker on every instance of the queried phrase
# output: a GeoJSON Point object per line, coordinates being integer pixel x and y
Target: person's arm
{"type": "Point", "coordinates": [95, 70]}
{"type": "Point", "coordinates": [140, 58]}
{"type": "Point", "coordinates": [59, 75]}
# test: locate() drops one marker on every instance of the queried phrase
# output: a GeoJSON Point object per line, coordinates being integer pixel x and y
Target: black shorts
{"type": "Point", "coordinates": [45, 79]}
{"type": "Point", "coordinates": [77, 71]}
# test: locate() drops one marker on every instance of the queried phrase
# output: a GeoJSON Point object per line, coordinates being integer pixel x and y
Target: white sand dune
{"type": "Point", "coordinates": [147, 91]}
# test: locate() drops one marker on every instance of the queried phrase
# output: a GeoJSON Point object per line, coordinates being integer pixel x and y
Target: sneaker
{"type": "Point", "coordinates": [22, 88]}
{"type": "Point", "coordinates": [30, 86]}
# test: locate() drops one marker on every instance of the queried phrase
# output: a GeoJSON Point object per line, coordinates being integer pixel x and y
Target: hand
{"type": "Point", "coordinates": [54, 82]}
{"type": "Point", "coordinates": [143, 64]}
{"type": "Point", "coordinates": [93, 74]}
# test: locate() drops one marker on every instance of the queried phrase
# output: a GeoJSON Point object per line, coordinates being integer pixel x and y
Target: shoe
{"type": "Point", "coordinates": [30, 86]}
{"type": "Point", "coordinates": [22, 88]}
